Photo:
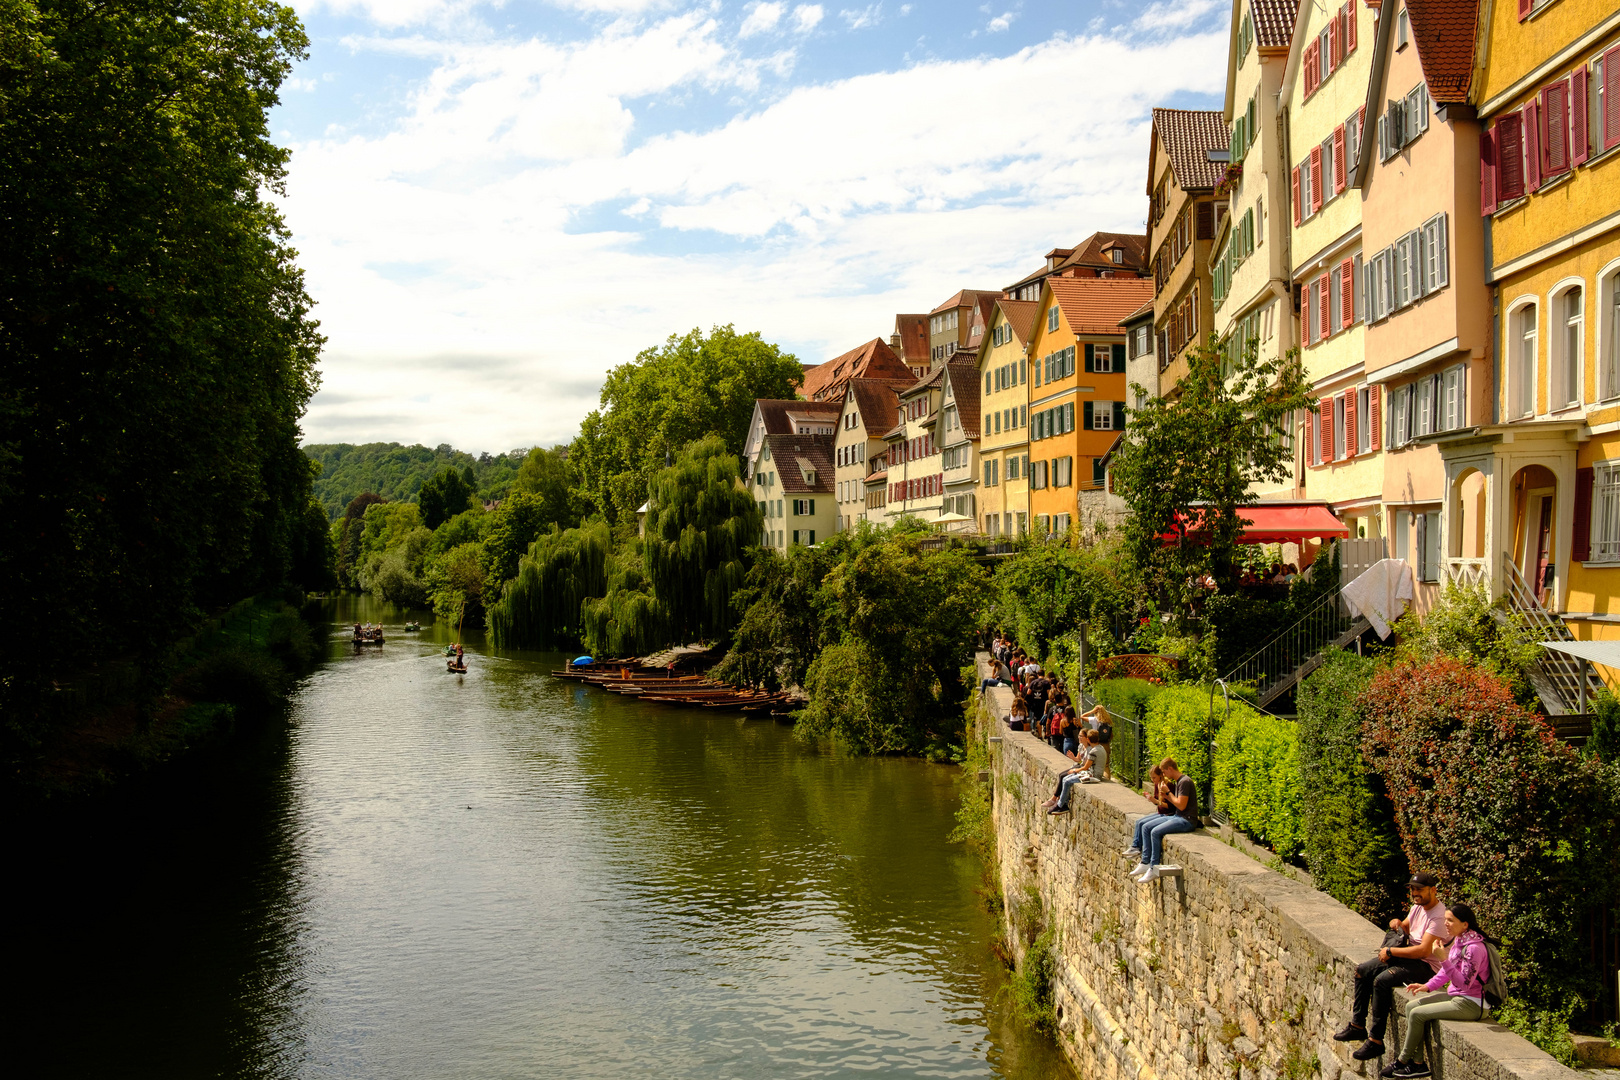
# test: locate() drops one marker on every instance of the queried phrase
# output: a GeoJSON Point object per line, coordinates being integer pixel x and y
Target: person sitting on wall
{"type": "Point", "coordinates": [1184, 818]}
{"type": "Point", "coordinates": [1157, 789]}
{"type": "Point", "coordinates": [1018, 718]}
{"type": "Point", "coordinates": [998, 677]}
{"type": "Point", "coordinates": [1407, 954]}
{"type": "Point", "coordinates": [1093, 760]}
{"type": "Point", "coordinates": [1461, 980]}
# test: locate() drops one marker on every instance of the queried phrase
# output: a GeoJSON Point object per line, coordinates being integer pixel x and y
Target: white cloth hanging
{"type": "Point", "coordinates": [1380, 593]}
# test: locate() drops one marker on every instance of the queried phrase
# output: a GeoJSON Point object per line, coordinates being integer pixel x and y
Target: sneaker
{"type": "Point", "coordinates": [1351, 1032]}
{"type": "Point", "coordinates": [1150, 874]}
{"type": "Point", "coordinates": [1389, 1070]}
{"type": "Point", "coordinates": [1131, 852]}
{"type": "Point", "coordinates": [1137, 869]}
{"type": "Point", "coordinates": [1058, 810]}
{"type": "Point", "coordinates": [1409, 1070]}
{"type": "Point", "coordinates": [1368, 1050]}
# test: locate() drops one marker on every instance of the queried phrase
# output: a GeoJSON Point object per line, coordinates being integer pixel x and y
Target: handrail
{"type": "Point", "coordinates": [1290, 648]}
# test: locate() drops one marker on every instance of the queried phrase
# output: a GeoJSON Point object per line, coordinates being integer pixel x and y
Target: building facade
{"type": "Point", "coordinates": [1004, 419]}
{"type": "Point", "coordinates": [1187, 159]}
{"type": "Point", "coordinates": [870, 407]}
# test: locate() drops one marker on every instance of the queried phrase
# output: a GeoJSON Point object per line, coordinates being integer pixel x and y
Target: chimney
{"type": "Point", "coordinates": [894, 341]}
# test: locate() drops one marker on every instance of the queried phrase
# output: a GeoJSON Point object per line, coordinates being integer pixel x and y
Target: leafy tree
{"type": "Point", "coordinates": [628, 620]}
{"type": "Point", "coordinates": [156, 349]}
{"type": "Point", "coordinates": [398, 472]}
{"type": "Point", "coordinates": [443, 497]}
{"type": "Point", "coordinates": [455, 584]}
{"type": "Point", "coordinates": [550, 476]}
{"type": "Point", "coordinates": [513, 526]}
{"type": "Point", "coordinates": [347, 533]}
{"type": "Point", "coordinates": [671, 395]}
{"type": "Point", "coordinates": [562, 571]}
{"type": "Point", "coordinates": [1047, 589]}
{"type": "Point", "coordinates": [700, 523]}
{"type": "Point", "coordinates": [784, 622]}
{"type": "Point", "coordinates": [1190, 461]}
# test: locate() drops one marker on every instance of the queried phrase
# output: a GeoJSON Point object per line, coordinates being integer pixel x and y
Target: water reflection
{"type": "Point", "coordinates": [504, 874]}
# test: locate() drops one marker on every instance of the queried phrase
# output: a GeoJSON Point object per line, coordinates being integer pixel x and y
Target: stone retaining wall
{"type": "Point", "coordinates": [1231, 970]}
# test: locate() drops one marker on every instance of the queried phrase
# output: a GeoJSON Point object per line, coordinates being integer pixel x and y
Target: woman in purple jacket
{"type": "Point", "coordinates": [1461, 980]}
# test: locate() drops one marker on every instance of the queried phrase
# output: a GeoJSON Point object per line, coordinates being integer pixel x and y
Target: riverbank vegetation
{"type": "Point", "coordinates": [156, 344]}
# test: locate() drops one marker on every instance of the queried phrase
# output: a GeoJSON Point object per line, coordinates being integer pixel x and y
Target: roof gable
{"type": "Point", "coordinates": [1096, 305]}
{"type": "Point", "coordinates": [1444, 32]}
{"type": "Point", "coordinates": [874, 359]}
{"type": "Point", "coordinates": [1188, 136]}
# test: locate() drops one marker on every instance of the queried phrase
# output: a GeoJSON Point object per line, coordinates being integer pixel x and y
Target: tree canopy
{"type": "Point", "coordinates": [397, 472]}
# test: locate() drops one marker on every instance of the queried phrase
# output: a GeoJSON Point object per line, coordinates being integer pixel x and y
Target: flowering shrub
{"type": "Point", "coordinates": [1511, 819]}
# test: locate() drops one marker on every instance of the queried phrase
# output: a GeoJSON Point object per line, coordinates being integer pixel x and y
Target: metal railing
{"type": "Point", "coordinates": [1127, 754]}
{"type": "Point", "coordinates": [1277, 660]}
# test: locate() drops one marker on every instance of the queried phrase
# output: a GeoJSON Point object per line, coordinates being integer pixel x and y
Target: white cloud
{"type": "Point", "coordinates": [481, 263]}
{"type": "Point", "coordinates": [807, 17]}
{"type": "Point", "coordinates": [296, 85]}
{"type": "Point", "coordinates": [1001, 22]}
{"type": "Point", "coordinates": [870, 15]}
{"type": "Point", "coordinates": [762, 18]}
{"type": "Point", "coordinates": [1177, 15]}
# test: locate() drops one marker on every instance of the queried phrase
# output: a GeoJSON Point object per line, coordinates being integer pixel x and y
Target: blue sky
{"type": "Point", "coordinates": [497, 202]}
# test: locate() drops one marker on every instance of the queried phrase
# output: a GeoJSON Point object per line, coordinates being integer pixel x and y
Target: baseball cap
{"type": "Point", "coordinates": [1425, 879]}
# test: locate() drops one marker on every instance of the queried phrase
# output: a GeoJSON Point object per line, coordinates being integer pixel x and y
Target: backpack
{"type": "Point", "coordinates": [1105, 733]}
{"type": "Point", "coordinates": [1495, 985]}
{"type": "Point", "coordinates": [1055, 725]}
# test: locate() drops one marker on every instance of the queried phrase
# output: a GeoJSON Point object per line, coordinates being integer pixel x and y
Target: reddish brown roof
{"type": "Point", "coordinates": [1188, 136]}
{"type": "Point", "coordinates": [987, 308]}
{"type": "Point", "coordinates": [1143, 312]}
{"type": "Point", "coordinates": [1096, 305]}
{"type": "Point", "coordinates": [878, 402]}
{"type": "Point", "coordinates": [965, 392]}
{"type": "Point", "coordinates": [965, 298]}
{"type": "Point", "coordinates": [913, 331]}
{"type": "Point", "coordinates": [1444, 33]}
{"type": "Point", "coordinates": [1020, 315]}
{"type": "Point", "coordinates": [775, 412]}
{"type": "Point", "coordinates": [1274, 22]}
{"type": "Point", "coordinates": [816, 449]}
{"type": "Point", "coordinates": [873, 360]}
{"type": "Point", "coordinates": [1090, 254]}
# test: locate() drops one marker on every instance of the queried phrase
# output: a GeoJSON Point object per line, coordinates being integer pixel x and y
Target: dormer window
{"type": "Point", "coordinates": [1117, 255]}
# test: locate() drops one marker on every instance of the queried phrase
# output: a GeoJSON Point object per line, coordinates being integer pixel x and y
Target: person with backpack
{"type": "Point", "coordinates": [1464, 980]}
{"type": "Point", "coordinates": [1408, 953]}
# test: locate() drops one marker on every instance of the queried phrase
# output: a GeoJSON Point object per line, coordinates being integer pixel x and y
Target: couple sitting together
{"type": "Point", "coordinates": [1438, 953]}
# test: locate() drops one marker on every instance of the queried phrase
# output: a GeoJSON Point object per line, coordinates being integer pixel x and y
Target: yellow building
{"type": "Point", "coordinates": [1324, 98]}
{"type": "Point", "coordinates": [1004, 420]}
{"type": "Point", "coordinates": [870, 408]}
{"type": "Point", "coordinates": [1547, 92]}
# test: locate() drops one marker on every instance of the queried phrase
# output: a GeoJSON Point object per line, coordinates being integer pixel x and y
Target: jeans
{"type": "Point", "coordinates": [1376, 982]}
{"type": "Point", "coordinates": [1173, 823]}
{"type": "Point", "coordinates": [1067, 783]}
{"type": "Point", "coordinates": [1070, 745]}
{"type": "Point", "coordinates": [987, 683]}
{"type": "Point", "coordinates": [1139, 835]}
{"type": "Point", "coordinates": [1441, 1006]}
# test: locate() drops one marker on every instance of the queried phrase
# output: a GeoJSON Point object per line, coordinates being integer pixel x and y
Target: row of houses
{"type": "Point", "coordinates": [1422, 197]}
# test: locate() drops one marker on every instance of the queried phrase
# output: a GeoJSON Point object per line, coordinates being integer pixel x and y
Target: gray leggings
{"type": "Point", "coordinates": [1441, 1006]}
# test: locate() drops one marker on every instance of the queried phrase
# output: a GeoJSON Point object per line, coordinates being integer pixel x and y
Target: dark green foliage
{"type": "Point", "coordinates": [1191, 459]}
{"type": "Point", "coordinates": [443, 496]}
{"type": "Point", "coordinates": [1511, 819]}
{"type": "Point", "coordinates": [250, 681]}
{"type": "Point", "coordinates": [397, 472]}
{"type": "Point", "coordinates": [783, 625]}
{"type": "Point", "coordinates": [1350, 843]}
{"type": "Point", "coordinates": [1605, 740]}
{"type": "Point", "coordinates": [1046, 589]}
{"type": "Point", "coordinates": [1242, 622]}
{"type": "Point", "coordinates": [156, 349]}
{"type": "Point", "coordinates": [347, 533]}
{"type": "Point", "coordinates": [700, 523]}
{"type": "Point", "coordinates": [542, 605]}
{"type": "Point", "coordinates": [314, 562]}
{"type": "Point", "coordinates": [690, 387]}
{"type": "Point", "coordinates": [628, 620]}
{"type": "Point", "coordinates": [1031, 985]}
{"type": "Point", "coordinates": [510, 529]}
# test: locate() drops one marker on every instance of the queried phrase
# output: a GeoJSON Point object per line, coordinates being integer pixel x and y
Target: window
{"type": "Point", "coordinates": [1060, 524]}
{"type": "Point", "coordinates": [1609, 335]}
{"type": "Point", "coordinates": [1606, 512]}
{"type": "Point", "coordinates": [1062, 471]}
{"type": "Point", "coordinates": [804, 507]}
{"type": "Point", "coordinates": [1403, 29]}
{"type": "Point", "coordinates": [1570, 314]}
{"type": "Point", "coordinates": [1037, 475]}
{"type": "Point", "coordinates": [1453, 398]}
{"type": "Point", "coordinates": [1051, 319]}
{"type": "Point", "coordinates": [1099, 473]}
{"type": "Point", "coordinates": [1523, 340]}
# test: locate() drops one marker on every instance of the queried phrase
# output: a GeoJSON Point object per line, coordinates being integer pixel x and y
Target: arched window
{"type": "Point", "coordinates": [1608, 332]}
{"type": "Point", "coordinates": [1522, 341]}
{"type": "Point", "coordinates": [1568, 318]}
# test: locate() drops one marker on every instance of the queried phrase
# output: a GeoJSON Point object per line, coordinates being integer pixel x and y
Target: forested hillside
{"type": "Point", "coordinates": [397, 472]}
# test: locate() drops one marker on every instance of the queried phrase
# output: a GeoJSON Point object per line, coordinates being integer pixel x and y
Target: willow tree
{"type": "Point", "coordinates": [629, 620]}
{"type": "Point", "coordinates": [700, 523]}
{"type": "Point", "coordinates": [543, 606]}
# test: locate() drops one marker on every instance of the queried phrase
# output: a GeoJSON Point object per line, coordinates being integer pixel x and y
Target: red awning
{"type": "Point", "coordinates": [1280, 523]}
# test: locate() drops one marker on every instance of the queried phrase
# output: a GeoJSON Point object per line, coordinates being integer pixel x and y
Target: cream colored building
{"type": "Point", "coordinates": [870, 408]}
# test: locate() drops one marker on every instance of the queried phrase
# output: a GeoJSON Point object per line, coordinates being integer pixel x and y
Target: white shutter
{"type": "Point", "coordinates": [1441, 249]}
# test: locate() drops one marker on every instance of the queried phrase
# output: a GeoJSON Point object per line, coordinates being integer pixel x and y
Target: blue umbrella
{"type": "Point", "coordinates": [580, 660]}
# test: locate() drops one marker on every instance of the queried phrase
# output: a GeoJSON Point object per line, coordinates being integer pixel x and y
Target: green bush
{"type": "Point", "coordinates": [1466, 625]}
{"type": "Point", "coordinates": [1257, 776]}
{"type": "Point", "coordinates": [1350, 843]}
{"type": "Point", "coordinates": [1605, 741]}
{"type": "Point", "coordinates": [1031, 985]}
{"type": "Point", "coordinates": [1125, 697]}
{"type": "Point", "coordinates": [1178, 720]}
{"type": "Point", "coordinates": [251, 681]}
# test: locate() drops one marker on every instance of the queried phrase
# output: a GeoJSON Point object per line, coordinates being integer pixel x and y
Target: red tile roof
{"type": "Point", "coordinates": [775, 412]}
{"type": "Point", "coordinates": [1096, 305]}
{"type": "Point", "coordinates": [873, 360]}
{"type": "Point", "coordinates": [965, 298]}
{"type": "Point", "coordinates": [913, 331]}
{"type": "Point", "coordinates": [1090, 254]}
{"type": "Point", "coordinates": [817, 450]}
{"type": "Point", "coordinates": [878, 402]}
{"type": "Point", "coordinates": [1444, 33]}
{"type": "Point", "coordinates": [1274, 22]}
{"type": "Point", "coordinates": [965, 392]}
{"type": "Point", "coordinates": [1188, 136]}
{"type": "Point", "coordinates": [1021, 317]}
{"type": "Point", "coordinates": [1143, 312]}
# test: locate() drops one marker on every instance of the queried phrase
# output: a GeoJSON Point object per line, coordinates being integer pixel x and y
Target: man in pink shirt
{"type": "Point", "coordinates": [1397, 965]}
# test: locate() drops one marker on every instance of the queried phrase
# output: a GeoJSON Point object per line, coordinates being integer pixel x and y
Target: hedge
{"type": "Point", "coordinates": [1509, 818]}
{"type": "Point", "coordinates": [1125, 697]}
{"type": "Point", "coordinates": [1178, 727]}
{"type": "Point", "coordinates": [1257, 782]}
{"type": "Point", "coordinates": [1347, 822]}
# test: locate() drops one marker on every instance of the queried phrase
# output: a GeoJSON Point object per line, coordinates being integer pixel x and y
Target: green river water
{"type": "Point", "coordinates": [509, 875]}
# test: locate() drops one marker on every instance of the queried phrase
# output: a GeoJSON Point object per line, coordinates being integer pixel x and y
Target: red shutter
{"type": "Point", "coordinates": [1310, 68]}
{"type": "Point", "coordinates": [1322, 306]}
{"type": "Point", "coordinates": [1347, 293]}
{"type": "Point", "coordinates": [1310, 437]}
{"type": "Point", "coordinates": [1524, 8]}
{"type": "Point", "coordinates": [1298, 212]}
{"type": "Point", "coordinates": [1335, 55]}
{"type": "Point", "coordinates": [1375, 416]}
{"type": "Point", "coordinates": [1326, 406]}
{"type": "Point", "coordinates": [1487, 173]}
{"type": "Point", "coordinates": [1350, 23]}
{"type": "Point", "coordinates": [1316, 178]}
{"type": "Point", "coordinates": [1580, 135]}
{"type": "Point", "coordinates": [1339, 176]}
{"type": "Point", "coordinates": [1555, 133]}
{"type": "Point", "coordinates": [1532, 147]}
{"type": "Point", "coordinates": [1509, 158]}
{"type": "Point", "coordinates": [1350, 430]}
{"type": "Point", "coordinates": [1581, 538]}
{"type": "Point", "coordinates": [1611, 98]}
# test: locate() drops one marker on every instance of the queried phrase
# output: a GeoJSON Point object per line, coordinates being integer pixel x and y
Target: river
{"type": "Point", "coordinates": [509, 875]}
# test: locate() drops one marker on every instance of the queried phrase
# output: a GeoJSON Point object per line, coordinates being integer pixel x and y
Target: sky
{"type": "Point", "coordinates": [496, 202]}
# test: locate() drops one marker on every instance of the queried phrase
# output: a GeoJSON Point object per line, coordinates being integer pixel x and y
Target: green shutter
{"type": "Point", "coordinates": [1086, 417]}
{"type": "Point", "coordinates": [812, 511]}
{"type": "Point", "coordinates": [1119, 416]}
{"type": "Point", "coordinates": [1119, 356]}
{"type": "Point", "coordinates": [1091, 359]}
